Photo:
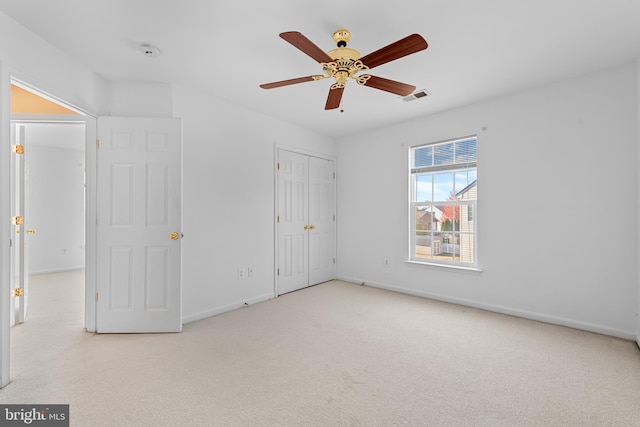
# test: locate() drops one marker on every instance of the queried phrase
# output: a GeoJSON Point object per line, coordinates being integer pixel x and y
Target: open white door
{"type": "Point", "coordinates": [21, 231]}
{"type": "Point", "coordinates": [139, 235]}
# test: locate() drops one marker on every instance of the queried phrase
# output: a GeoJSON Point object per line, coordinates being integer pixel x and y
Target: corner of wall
{"type": "Point", "coordinates": [638, 196]}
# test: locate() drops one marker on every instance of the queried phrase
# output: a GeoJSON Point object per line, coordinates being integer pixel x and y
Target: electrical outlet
{"type": "Point", "coordinates": [386, 262]}
{"type": "Point", "coordinates": [241, 273]}
{"type": "Point", "coordinates": [249, 271]}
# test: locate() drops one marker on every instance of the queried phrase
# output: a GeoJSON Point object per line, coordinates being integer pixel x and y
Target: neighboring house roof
{"type": "Point", "coordinates": [427, 218]}
{"type": "Point", "coordinates": [467, 188]}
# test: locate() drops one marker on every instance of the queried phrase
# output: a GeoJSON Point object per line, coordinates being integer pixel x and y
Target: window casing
{"type": "Point", "coordinates": [443, 202]}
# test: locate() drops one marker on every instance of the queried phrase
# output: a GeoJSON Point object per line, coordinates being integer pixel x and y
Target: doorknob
{"type": "Point", "coordinates": [175, 235]}
{"type": "Point", "coordinates": [312, 227]}
{"type": "Point", "coordinates": [32, 231]}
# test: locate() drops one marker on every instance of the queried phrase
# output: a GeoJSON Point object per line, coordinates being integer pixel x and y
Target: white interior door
{"type": "Point", "coordinates": [321, 221]}
{"type": "Point", "coordinates": [293, 209]}
{"type": "Point", "coordinates": [305, 221]}
{"type": "Point", "coordinates": [139, 225]}
{"type": "Point", "coordinates": [21, 232]}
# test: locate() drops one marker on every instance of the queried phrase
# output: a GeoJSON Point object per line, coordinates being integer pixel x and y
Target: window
{"type": "Point", "coordinates": [443, 199]}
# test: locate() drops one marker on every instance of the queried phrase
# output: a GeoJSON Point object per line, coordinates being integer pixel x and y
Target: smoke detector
{"type": "Point", "coordinates": [150, 51]}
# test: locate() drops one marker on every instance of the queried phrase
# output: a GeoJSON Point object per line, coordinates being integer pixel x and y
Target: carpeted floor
{"type": "Point", "coordinates": [336, 354]}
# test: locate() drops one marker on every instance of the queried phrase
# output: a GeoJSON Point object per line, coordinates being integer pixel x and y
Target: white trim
{"type": "Point", "coordinates": [525, 314]}
{"type": "Point", "coordinates": [91, 197]}
{"type": "Point", "coordinates": [224, 309]}
{"type": "Point", "coordinates": [56, 270]}
{"type": "Point", "coordinates": [5, 235]}
{"type": "Point", "coordinates": [433, 264]}
{"type": "Point", "coordinates": [90, 123]}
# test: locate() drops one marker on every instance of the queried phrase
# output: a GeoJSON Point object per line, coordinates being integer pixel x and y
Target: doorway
{"type": "Point", "coordinates": [305, 220]}
{"type": "Point", "coordinates": [48, 192]}
{"type": "Point", "coordinates": [28, 105]}
{"type": "Point", "coordinates": [49, 183]}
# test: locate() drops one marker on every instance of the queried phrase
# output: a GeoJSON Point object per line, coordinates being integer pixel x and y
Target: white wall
{"type": "Point", "coordinates": [228, 192]}
{"type": "Point", "coordinates": [56, 209]}
{"type": "Point", "coordinates": [33, 60]}
{"type": "Point", "coordinates": [560, 159]}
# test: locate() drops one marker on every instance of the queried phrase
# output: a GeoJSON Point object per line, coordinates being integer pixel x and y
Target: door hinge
{"type": "Point", "coordinates": [278, 272]}
{"type": "Point", "coordinates": [278, 165]}
{"type": "Point", "coordinates": [97, 296]}
{"type": "Point", "coordinates": [18, 149]}
{"type": "Point", "coordinates": [17, 220]}
{"type": "Point", "coordinates": [17, 292]}
{"type": "Point", "coordinates": [334, 175]}
{"type": "Point", "coordinates": [334, 260]}
{"type": "Point", "coordinates": [334, 218]}
{"type": "Point", "coordinates": [98, 144]}
{"type": "Point", "coordinates": [278, 219]}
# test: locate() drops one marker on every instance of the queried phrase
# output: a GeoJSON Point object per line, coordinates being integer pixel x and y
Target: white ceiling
{"type": "Point", "coordinates": [477, 49]}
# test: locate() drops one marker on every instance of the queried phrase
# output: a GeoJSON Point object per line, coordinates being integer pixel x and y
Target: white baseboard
{"type": "Point", "coordinates": [56, 270]}
{"type": "Point", "coordinates": [575, 324]}
{"type": "Point", "coordinates": [219, 310]}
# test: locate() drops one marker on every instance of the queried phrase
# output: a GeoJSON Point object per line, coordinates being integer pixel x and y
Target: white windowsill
{"type": "Point", "coordinates": [433, 264]}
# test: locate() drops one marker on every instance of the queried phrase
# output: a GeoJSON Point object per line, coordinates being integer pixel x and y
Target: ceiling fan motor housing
{"type": "Point", "coordinates": [346, 61]}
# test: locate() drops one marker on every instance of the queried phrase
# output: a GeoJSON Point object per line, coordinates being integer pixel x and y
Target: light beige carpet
{"type": "Point", "coordinates": [336, 354]}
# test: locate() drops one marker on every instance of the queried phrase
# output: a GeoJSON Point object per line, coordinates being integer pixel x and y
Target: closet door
{"type": "Point", "coordinates": [305, 221]}
{"type": "Point", "coordinates": [293, 207]}
{"type": "Point", "coordinates": [321, 221]}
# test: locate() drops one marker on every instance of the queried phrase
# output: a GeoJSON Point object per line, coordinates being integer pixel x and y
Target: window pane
{"type": "Point", "coordinates": [423, 244]}
{"type": "Point", "coordinates": [450, 245]}
{"type": "Point", "coordinates": [449, 217]}
{"type": "Point", "coordinates": [466, 248]}
{"type": "Point", "coordinates": [423, 157]}
{"type": "Point", "coordinates": [425, 219]}
{"type": "Point", "coordinates": [466, 151]}
{"type": "Point", "coordinates": [464, 178]}
{"type": "Point", "coordinates": [443, 154]}
{"type": "Point", "coordinates": [423, 187]}
{"type": "Point", "coordinates": [443, 186]}
{"type": "Point", "coordinates": [467, 213]}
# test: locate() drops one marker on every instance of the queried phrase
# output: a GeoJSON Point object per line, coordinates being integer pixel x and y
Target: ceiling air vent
{"type": "Point", "coordinates": [422, 93]}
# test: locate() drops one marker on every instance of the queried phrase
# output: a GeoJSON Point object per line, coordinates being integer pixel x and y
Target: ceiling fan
{"type": "Point", "coordinates": [344, 63]}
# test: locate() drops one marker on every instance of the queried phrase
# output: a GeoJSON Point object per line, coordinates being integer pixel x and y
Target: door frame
{"type": "Point", "coordinates": [7, 77]}
{"type": "Point", "coordinates": [276, 148]}
{"type": "Point", "coordinates": [90, 125]}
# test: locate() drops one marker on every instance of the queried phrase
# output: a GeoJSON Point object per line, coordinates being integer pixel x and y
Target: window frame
{"type": "Point", "coordinates": [463, 205]}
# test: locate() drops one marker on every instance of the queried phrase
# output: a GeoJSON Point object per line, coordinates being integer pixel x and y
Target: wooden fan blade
{"type": "Point", "coordinates": [387, 85]}
{"type": "Point", "coordinates": [334, 98]}
{"type": "Point", "coordinates": [406, 46]}
{"type": "Point", "coordinates": [289, 82]}
{"type": "Point", "coordinates": [306, 46]}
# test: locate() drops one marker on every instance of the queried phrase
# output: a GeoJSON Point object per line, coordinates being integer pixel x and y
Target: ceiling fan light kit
{"type": "Point", "coordinates": [344, 63]}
